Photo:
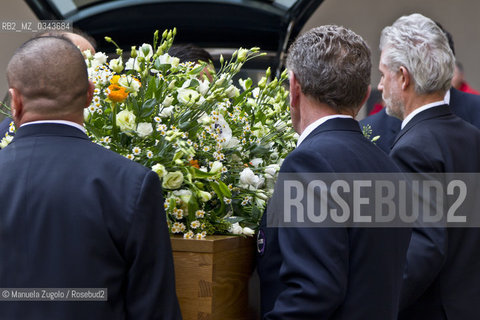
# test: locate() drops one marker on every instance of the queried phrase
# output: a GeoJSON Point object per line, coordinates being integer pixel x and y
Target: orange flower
{"type": "Point", "coordinates": [194, 163]}
{"type": "Point", "coordinates": [117, 93]}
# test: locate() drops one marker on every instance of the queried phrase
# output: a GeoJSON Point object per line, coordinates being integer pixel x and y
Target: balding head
{"type": "Point", "coordinates": [80, 39]}
{"type": "Point", "coordinates": [48, 80]}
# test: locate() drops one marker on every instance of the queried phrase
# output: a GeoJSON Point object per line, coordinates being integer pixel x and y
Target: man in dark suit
{"type": "Point", "coordinates": [464, 105]}
{"type": "Point", "coordinates": [339, 272]}
{"type": "Point", "coordinates": [75, 215]}
{"type": "Point", "coordinates": [442, 278]}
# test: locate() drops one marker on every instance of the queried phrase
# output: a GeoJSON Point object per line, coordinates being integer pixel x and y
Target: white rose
{"type": "Point", "coordinates": [166, 112]}
{"type": "Point", "coordinates": [236, 228]}
{"type": "Point", "coordinates": [187, 96]}
{"type": "Point", "coordinates": [271, 170]}
{"type": "Point", "coordinates": [248, 178]}
{"type": "Point", "coordinates": [159, 169]}
{"type": "Point", "coordinates": [173, 180]}
{"type": "Point", "coordinates": [98, 59]}
{"type": "Point", "coordinates": [144, 129]}
{"type": "Point", "coordinates": [116, 65]}
{"type": "Point", "coordinates": [126, 120]}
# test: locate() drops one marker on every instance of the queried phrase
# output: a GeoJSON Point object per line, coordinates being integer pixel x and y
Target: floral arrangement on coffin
{"type": "Point", "coordinates": [216, 146]}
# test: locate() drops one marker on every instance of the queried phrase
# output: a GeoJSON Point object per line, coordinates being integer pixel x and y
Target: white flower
{"type": "Point", "coordinates": [201, 235]}
{"type": "Point", "coordinates": [189, 235]}
{"type": "Point", "coordinates": [173, 180]}
{"type": "Point", "coordinates": [200, 214]}
{"type": "Point", "coordinates": [226, 132]}
{"type": "Point", "coordinates": [116, 65]}
{"type": "Point", "coordinates": [149, 154]}
{"type": "Point", "coordinates": [204, 196]}
{"type": "Point", "coordinates": [216, 167]}
{"type": "Point", "coordinates": [136, 151]}
{"type": "Point", "coordinates": [271, 170]}
{"type": "Point", "coordinates": [256, 162]}
{"type": "Point", "coordinates": [236, 228]}
{"type": "Point", "coordinates": [132, 64]}
{"type": "Point", "coordinates": [144, 129]}
{"type": "Point", "coordinates": [256, 92]}
{"type": "Point", "coordinates": [129, 83]}
{"type": "Point", "coordinates": [6, 141]}
{"type": "Point", "coordinates": [159, 169]}
{"type": "Point", "coordinates": [145, 51]}
{"type": "Point", "coordinates": [247, 231]}
{"type": "Point", "coordinates": [195, 224]}
{"type": "Point", "coordinates": [166, 112]}
{"type": "Point", "coordinates": [248, 178]}
{"type": "Point", "coordinates": [167, 59]}
{"type": "Point", "coordinates": [185, 195]}
{"type": "Point", "coordinates": [98, 59]}
{"type": "Point", "coordinates": [203, 86]}
{"type": "Point", "coordinates": [167, 101]}
{"type": "Point", "coordinates": [126, 120]}
{"type": "Point", "coordinates": [232, 91]}
{"type": "Point", "coordinates": [231, 143]}
{"type": "Point", "coordinates": [187, 96]}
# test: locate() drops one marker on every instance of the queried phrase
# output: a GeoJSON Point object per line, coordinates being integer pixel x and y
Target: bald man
{"type": "Point", "coordinates": [73, 214]}
{"type": "Point", "coordinates": [79, 39]}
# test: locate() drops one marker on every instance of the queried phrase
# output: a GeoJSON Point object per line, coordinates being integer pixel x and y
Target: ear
{"type": "Point", "coordinates": [295, 90]}
{"type": "Point", "coordinates": [91, 88]}
{"type": "Point", "coordinates": [16, 103]}
{"type": "Point", "coordinates": [405, 77]}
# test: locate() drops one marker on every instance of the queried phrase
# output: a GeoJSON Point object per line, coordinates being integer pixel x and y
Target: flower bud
{"type": "Point", "coordinates": [133, 53]}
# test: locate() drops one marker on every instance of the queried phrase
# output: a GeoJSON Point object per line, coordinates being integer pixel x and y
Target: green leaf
{"type": "Point", "coordinates": [224, 189]}
{"type": "Point", "coordinates": [148, 108]}
{"type": "Point", "coordinates": [199, 174]}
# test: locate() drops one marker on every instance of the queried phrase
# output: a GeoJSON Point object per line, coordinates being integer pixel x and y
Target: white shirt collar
{"type": "Point", "coordinates": [418, 110]}
{"type": "Point", "coordinates": [68, 123]}
{"type": "Point", "coordinates": [446, 99]}
{"type": "Point", "coordinates": [312, 126]}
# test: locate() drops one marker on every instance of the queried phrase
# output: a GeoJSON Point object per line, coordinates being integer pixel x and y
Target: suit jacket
{"type": "Point", "coordinates": [464, 105]}
{"type": "Point", "coordinates": [442, 276]}
{"type": "Point", "coordinates": [76, 215]}
{"type": "Point", "coordinates": [332, 273]}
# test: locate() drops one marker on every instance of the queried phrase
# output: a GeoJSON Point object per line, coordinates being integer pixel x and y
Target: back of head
{"type": "Point", "coordinates": [332, 65]}
{"type": "Point", "coordinates": [190, 52]}
{"type": "Point", "coordinates": [418, 44]}
{"type": "Point", "coordinates": [50, 75]}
